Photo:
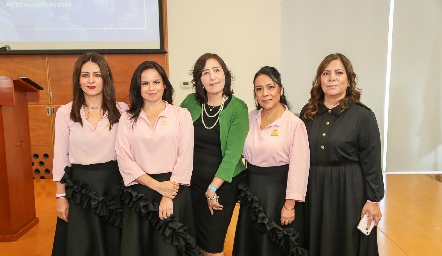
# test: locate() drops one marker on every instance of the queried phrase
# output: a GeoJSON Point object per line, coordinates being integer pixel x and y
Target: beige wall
{"type": "Point", "coordinates": [294, 36]}
{"type": "Point", "coordinates": [245, 33]}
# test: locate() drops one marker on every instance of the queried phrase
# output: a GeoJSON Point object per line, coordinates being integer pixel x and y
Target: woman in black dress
{"type": "Point", "coordinates": [345, 180]}
{"type": "Point", "coordinates": [221, 125]}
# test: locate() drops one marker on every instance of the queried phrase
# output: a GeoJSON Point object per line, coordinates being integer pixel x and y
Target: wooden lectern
{"type": "Point", "coordinates": [17, 202]}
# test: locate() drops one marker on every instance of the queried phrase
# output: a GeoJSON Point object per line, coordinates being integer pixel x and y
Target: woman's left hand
{"type": "Point", "coordinates": [213, 203]}
{"type": "Point", "coordinates": [288, 215]}
{"type": "Point", "coordinates": [165, 209]}
{"type": "Point", "coordinates": [374, 212]}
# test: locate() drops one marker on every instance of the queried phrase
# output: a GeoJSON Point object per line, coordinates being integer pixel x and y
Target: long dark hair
{"type": "Point", "coordinates": [108, 103]}
{"type": "Point", "coordinates": [136, 100]}
{"type": "Point", "coordinates": [352, 92]}
{"type": "Point", "coordinates": [273, 74]}
{"type": "Point", "coordinates": [197, 72]}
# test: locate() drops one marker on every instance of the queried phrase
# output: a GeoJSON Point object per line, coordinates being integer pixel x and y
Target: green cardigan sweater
{"type": "Point", "coordinates": [234, 126]}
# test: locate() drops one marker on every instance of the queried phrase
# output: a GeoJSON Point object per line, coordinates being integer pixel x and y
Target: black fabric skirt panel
{"type": "Point", "coordinates": [335, 197]}
{"type": "Point", "coordinates": [95, 211]}
{"type": "Point", "coordinates": [259, 231]}
{"type": "Point", "coordinates": [143, 233]}
{"type": "Point", "coordinates": [211, 230]}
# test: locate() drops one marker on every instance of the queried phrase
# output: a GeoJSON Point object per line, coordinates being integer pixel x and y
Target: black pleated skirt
{"type": "Point", "coordinates": [211, 230]}
{"type": "Point", "coordinates": [144, 233]}
{"type": "Point", "coordinates": [95, 211]}
{"type": "Point", "coordinates": [259, 230]}
{"type": "Point", "coordinates": [335, 197]}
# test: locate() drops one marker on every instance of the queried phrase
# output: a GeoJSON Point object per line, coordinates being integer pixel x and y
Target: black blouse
{"type": "Point", "coordinates": [351, 137]}
{"type": "Point", "coordinates": [207, 141]}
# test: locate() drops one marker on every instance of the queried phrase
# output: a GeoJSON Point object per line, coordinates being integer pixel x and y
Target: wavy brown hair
{"type": "Point", "coordinates": [197, 73]}
{"type": "Point", "coordinates": [109, 103]}
{"type": "Point", "coordinates": [352, 93]}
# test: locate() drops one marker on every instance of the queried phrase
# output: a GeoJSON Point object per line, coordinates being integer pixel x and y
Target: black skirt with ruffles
{"type": "Point", "coordinates": [259, 231]}
{"type": "Point", "coordinates": [95, 211]}
{"type": "Point", "coordinates": [144, 233]}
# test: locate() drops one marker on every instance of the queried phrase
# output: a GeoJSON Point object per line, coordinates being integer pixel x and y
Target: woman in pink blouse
{"type": "Point", "coordinates": [271, 219]}
{"type": "Point", "coordinates": [155, 155]}
{"type": "Point", "coordinates": [85, 168]}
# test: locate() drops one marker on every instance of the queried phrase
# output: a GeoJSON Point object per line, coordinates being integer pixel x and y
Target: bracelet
{"type": "Point", "coordinates": [213, 188]}
{"type": "Point", "coordinates": [211, 198]}
{"type": "Point", "coordinates": [290, 209]}
{"type": "Point", "coordinates": [60, 195]}
{"type": "Point", "coordinates": [368, 201]}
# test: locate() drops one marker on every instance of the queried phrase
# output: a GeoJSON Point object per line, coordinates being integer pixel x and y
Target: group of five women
{"type": "Point", "coordinates": [158, 179]}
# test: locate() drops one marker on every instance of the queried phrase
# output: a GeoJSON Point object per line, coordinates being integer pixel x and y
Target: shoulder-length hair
{"type": "Point", "coordinates": [136, 100]}
{"type": "Point", "coordinates": [352, 92]}
{"type": "Point", "coordinates": [108, 103]}
{"type": "Point", "coordinates": [197, 72]}
{"type": "Point", "coordinates": [273, 74]}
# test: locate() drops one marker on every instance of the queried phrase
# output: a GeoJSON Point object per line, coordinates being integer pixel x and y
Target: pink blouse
{"type": "Point", "coordinates": [165, 146]}
{"type": "Point", "coordinates": [282, 142]}
{"type": "Point", "coordinates": [76, 144]}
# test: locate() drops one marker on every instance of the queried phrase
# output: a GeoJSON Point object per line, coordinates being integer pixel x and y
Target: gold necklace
{"type": "Point", "coordinates": [90, 107]}
{"type": "Point", "coordinates": [87, 114]}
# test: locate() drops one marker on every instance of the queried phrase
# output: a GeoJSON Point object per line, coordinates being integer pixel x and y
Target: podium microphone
{"type": "Point", "coordinates": [5, 48]}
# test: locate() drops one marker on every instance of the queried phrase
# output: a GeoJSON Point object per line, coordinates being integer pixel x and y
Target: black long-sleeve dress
{"type": "Point", "coordinates": [345, 172]}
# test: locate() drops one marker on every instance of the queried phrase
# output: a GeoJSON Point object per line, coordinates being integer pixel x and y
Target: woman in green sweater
{"type": "Point", "coordinates": [221, 125]}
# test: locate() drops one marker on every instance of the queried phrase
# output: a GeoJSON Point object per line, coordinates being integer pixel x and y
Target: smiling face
{"type": "Point", "coordinates": [91, 81]}
{"type": "Point", "coordinates": [152, 86]}
{"type": "Point", "coordinates": [213, 77]}
{"type": "Point", "coordinates": [267, 92]}
{"type": "Point", "coordinates": [334, 80]}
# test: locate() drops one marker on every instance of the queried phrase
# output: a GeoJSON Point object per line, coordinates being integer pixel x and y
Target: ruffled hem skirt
{"type": "Point", "coordinates": [95, 211]}
{"type": "Point", "coordinates": [259, 232]}
{"type": "Point", "coordinates": [144, 233]}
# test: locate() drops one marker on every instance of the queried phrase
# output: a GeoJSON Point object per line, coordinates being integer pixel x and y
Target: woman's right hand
{"type": "Point", "coordinates": [63, 208]}
{"type": "Point", "coordinates": [167, 188]}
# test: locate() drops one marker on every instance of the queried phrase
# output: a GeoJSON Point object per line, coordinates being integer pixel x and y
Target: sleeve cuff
{"type": "Point", "coordinates": [180, 180]}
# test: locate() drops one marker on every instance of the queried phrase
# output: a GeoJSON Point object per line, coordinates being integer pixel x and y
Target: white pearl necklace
{"type": "Point", "coordinates": [203, 110]}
